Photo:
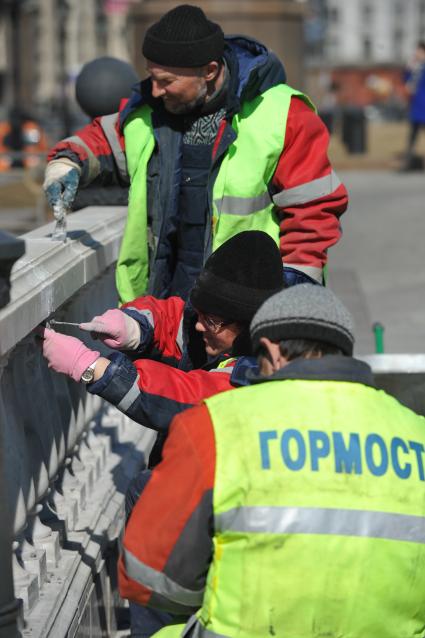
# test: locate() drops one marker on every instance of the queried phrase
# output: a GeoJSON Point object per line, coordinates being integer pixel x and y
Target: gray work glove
{"type": "Point", "coordinates": [61, 182]}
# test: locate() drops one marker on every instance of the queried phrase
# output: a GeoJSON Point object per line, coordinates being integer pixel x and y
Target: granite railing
{"type": "Point", "coordinates": [402, 375]}
{"type": "Point", "coordinates": [67, 458]}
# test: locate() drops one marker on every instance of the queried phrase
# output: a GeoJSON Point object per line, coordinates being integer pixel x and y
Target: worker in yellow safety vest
{"type": "Point", "coordinates": [298, 502]}
{"type": "Point", "coordinates": [213, 142]}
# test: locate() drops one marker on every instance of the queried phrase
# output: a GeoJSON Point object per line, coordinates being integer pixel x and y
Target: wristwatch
{"type": "Point", "coordinates": [88, 374]}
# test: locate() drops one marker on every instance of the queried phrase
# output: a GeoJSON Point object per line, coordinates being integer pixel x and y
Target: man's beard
{"type": "Point", "coordinates": [187, 107]}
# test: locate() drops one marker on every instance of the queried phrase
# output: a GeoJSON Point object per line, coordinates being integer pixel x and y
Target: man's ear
{"type": "Point", "coordinates": [273, 352]}
{"type": "Point", "coordinates": [211, 70]}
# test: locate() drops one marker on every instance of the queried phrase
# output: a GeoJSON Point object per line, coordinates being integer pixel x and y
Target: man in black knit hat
{"type": "Point", "coordinates": [166, 348]}
{"type": "Point", "coordinates": [214, 142]}
{"type": "Point", "coordinates": [171, 354]}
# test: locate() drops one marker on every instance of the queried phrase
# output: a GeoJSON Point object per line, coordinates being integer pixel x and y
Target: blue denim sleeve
{"type": "Point", "coordinates": [293, 277]}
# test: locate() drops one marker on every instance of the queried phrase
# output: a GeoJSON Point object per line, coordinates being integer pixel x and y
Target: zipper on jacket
{"type": "Point", "coordinates": [225, 137]}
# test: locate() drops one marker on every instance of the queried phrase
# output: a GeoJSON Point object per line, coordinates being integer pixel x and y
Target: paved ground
{"type": "Point", "coordinates": [378, 267]}
{"type": "Point", "coordinates": [385, 145]}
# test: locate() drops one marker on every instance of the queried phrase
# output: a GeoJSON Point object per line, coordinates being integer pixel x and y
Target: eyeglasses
{"type": "Point", "coordinates": [213, 325]}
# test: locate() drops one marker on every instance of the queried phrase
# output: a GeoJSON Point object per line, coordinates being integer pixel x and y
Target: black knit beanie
{"type": "Point", "coordinates": [239, 276]}
{"type": "Point", "coordinates": [183, 37]}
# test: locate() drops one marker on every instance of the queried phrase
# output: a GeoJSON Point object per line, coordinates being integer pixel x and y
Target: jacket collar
{"type": "Point", "coordinates": [254, 67]}
{"type": "Point", "coordinates": [327, 368]}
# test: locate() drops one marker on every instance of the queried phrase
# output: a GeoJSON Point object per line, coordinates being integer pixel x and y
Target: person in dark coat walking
{"type": "Point", "coordinates": [415, 85]}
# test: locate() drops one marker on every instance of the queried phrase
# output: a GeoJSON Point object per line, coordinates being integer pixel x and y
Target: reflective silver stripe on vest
{"type": "Point", "coordinates": [160, 583]}
{"type": "Point", "coordinates": [179, 339]}
{"type": "Point", "coordinates": [307, 192]}
{"type": "Point", "coordinates": [129, 398]}
{"type": "Point", "coordinates": [242, 205]}
{"type": "Point", "coordinates": [312, 520]}
{"type": "Point", "coordinates": [107, 123]}
{"type": "Point", "coordinates": [93, 163]}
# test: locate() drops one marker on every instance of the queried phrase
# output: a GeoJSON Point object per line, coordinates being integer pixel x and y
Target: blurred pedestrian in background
{"type": "Point", "coordinates": [214, 142]}
{"type": "Point", "coordinates": [415, 86]}
{"type": "Point", "coordinates": [22, 141]}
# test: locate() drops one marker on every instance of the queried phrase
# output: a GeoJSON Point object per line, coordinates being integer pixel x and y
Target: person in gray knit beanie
{"type": "Point", "coordinates": [304, 320]}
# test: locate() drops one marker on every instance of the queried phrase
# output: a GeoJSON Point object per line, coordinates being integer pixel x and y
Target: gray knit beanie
{"type": "Point", "coordinates": [305, 311]}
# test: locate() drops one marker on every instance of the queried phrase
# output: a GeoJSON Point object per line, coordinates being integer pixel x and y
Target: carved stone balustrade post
{"type": "Point", "coordinates": [11, 249]}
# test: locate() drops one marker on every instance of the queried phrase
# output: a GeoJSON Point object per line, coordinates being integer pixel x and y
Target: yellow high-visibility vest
{"type": "Point", "coordinates": [241, 200]}
{"type": "Point", "coordinates": [319, 509]}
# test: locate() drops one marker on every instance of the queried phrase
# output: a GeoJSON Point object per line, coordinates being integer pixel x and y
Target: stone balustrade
{"type": "Point", "coordinates": [402, 375]}
{"type": "Point", "coordinates": [67, 458]}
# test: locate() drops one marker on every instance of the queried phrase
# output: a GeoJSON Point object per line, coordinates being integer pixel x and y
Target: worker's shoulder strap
{"type": "Point", "coordinates": [108, 124]}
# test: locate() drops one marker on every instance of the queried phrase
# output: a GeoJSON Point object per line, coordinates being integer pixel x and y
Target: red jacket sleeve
{"type": "Point", "coordinates": [180, 386]}
{"type": "Point", "coordinates": [165, 317]}
{"type": "Point", "coordinates": [308, 193]}
{"type": "Point", "coordinates": [167, 544]}
{"type": "Point", "coordinates": [89, 147]}
{"type": "Point", "coordinates": [152, 393]}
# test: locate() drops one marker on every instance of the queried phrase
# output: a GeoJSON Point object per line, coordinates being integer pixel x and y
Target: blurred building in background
{"type": "Point", "coordinates": [44, 44]}
{"type": "Point", "coordinates": [279, 24]}
{"type": "Point", "coordinates": [342, 53]}
{"type": "Point", "coordinates": [356, 51]}
{"type": "Point", "coordinates": [366, 31]}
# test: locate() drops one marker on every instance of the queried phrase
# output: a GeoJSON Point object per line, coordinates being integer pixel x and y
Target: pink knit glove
{"type": "Point", "coordinates": [66, 354]}
{"type": "Point", "coordinates": [115, 329]}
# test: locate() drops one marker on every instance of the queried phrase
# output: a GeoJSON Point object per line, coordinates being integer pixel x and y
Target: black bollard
{"type": "Point", "coordinates": [102, 84]}
{"type": "Point", "coordinates": [354, 129]}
